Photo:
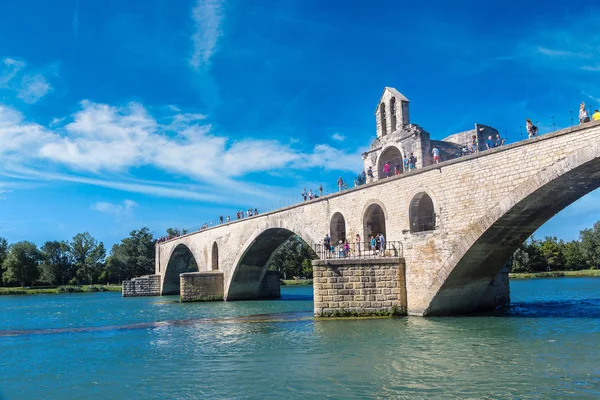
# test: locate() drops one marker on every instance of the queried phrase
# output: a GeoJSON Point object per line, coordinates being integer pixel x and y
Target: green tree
{"type": "Point", "coordinates": [552, 251]}
{"type": "Point", "coordinates": [88, 255]}
{"type": "Point", "coordinates": [176, 232]}
{"type": "Point", "coordinates": [293, 258]}
{"type": "Point", "coordinates": [3, 254]}
{"type": "Point", "coordinates": [134, 256]}
{"type": "Point", "coordinates": [57, 266]}
{"type": "Point", "coordinates": [574, 259]}
{"type": "Point", "coordinates": [21, 263]}
{"type": "Point", "coordinates": [590, 245]}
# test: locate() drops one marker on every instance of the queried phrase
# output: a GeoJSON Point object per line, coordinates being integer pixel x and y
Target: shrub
{"type": "Point", "coordinates": [70, 289]}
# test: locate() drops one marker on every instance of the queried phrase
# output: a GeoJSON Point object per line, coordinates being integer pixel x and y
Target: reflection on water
{"type": "Point", "coordinates": [545, 345]}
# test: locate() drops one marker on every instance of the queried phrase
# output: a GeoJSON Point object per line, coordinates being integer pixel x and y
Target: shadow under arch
{"type": "Point", "coordinates": [337, 228]}
{"type": "Point", "coordinates": [252, 264]}
{"type": "Point", "coordinates": [392, 155]}
{"type": "Point", "coordinates": [481, 253]}
{"type": "Point", "coordinates": [374, 220]}
{"type": "Point", "coordinates": [181, 260]}
{"type": "Point", "coordinates": [422, 213]}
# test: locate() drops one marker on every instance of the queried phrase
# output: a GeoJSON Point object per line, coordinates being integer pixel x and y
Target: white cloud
{"type": "Point", "coordinates": [33, 88]}
{"type": "Point", "coordinates": [118, 210]}
{"type": "Point", "coordinates": [100, 144]}
{"type": "Point", "coordinates": [207, 16]}
{"type": "Point", "coordinates": [30, 88]}
{"type": "Point", "coordinates": [338, 137]}
{"type": "Point", "coordinates": [561, 53]}
{"type": "Point", "coordinates": [10, 70]}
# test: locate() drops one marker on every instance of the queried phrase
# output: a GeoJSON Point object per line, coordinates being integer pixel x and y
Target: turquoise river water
{"type": "Point", "coordinates": [78, 346]}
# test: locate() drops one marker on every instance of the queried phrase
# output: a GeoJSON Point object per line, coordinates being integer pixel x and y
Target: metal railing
{"type": "Point", "coordinates": [359, 250]}
{"type": "Point", "coordinates": [423, 223]}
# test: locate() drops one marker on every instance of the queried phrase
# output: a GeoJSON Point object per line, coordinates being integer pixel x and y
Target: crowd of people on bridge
{"type": "Point", "coordinates": [375, 246]}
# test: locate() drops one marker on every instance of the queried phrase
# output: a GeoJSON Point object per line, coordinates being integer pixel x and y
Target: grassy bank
{"type": "Point", "coordinates": [555, 274]}
{"type": "Point", "coordinates": [59, 289]}
{"type": "Point", "coordinates": [296, 282]}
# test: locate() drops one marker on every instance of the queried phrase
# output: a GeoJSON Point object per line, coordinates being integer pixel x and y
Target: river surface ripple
{"type": "Point", "coordinates": [99, 345]}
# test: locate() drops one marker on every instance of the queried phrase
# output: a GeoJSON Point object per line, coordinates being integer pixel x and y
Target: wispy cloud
{"type": "Point", "coordinates": [338, 137]}
{"type": "Point", "coordinates": [29, 87]}
{"type": "Point", "coordinates": [207, 16]}
{"type": "Point", "coordinates": [118, 210]}
{"type": "Point", "coordinates": [33, 88]}
{"type": "Point", "coordinates": [100, 144]}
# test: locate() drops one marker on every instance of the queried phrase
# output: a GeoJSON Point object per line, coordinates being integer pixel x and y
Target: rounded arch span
{"type": "Point", "coordinates": [254, 258]}
{"type": "Point", "coordinates": [215, 257]}
{"type": "Point", "coordinates": [481, 253]}
{"type": "Point", "coordinates": [181, 260]}
{"type": "Point", "coordinates": [392, 155]}
{"type": "Point", "coordinates": [374, 217]}
{"type": "Point", "coordinates": [337, 228]}
{"type": "Point", "coordinates": [422, 214]}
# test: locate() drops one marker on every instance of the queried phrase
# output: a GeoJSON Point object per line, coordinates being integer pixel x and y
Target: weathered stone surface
{"type": "Point", "coordinates": [363, 300]}
{"type": "Point", "coordinates": [147, 285]}
{"type": "Point", "coordinates": [201, 286]}
{"type": "Point", "coordinates": [270, 287]}
{"type": "Point", "coordinates": [485, 205]}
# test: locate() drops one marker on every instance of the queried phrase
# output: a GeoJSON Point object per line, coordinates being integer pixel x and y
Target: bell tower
{"type": "Point", "coordinates": [392, 112]}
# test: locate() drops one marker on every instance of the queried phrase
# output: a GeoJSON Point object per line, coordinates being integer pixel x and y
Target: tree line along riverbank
{"type": "Point", "coordinates": [82, 265]}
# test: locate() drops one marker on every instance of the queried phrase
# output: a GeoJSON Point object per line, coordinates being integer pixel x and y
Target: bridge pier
{"type": "Point", "coordinates": [201, 286]}
{"type": "Point", "coordinates": [369, 286]}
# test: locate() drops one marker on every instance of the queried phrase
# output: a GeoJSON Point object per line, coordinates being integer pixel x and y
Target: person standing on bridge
{"type": "Point", "coordinates": [357, 241]}
{"type": "Point", "coordinates": [531, 128]}
{"type": "Point", "coordinates": [373, 245]}
{"type": "Point", "coordinates": [370, 174]}
{"type": "Point", "coordinates": [397, 168]}
{"type": "Point", "coordinates": [406, 163]}
{"type": "Point", "coordinates": [326, 245]}
{"type": "Point", "coordinates": [436, 154]}
{"type": "Point", "coordinates": [499, 140]}
{"type": "Point", "coordinates": [596, 116]}
{"type": "Point", "coordinates": [381, 245]}
{"type": "Point", "coordinates": [490, 143]}
{"type": "Point", "coordinates": [303, 194]}
{"type": "Point", "coordinates": [340, 183]}
{"type": "Point", "coordinates": [321, 190]}
{"type": "Point", "coordinates": [412, 162]}
{"type": "Point", "coordinates": [386, 169]}
{"type": "Point", "coordinates": [583, 114]}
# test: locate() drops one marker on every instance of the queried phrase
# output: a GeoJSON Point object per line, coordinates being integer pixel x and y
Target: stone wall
{"type": "Point", "coordinates": [463, 191]}
{"type": "Point", "coordinates": [147, 285]}
{"type": "Point", "coordinates": [270, 287]}
{"type": "Point", "coordinates": [201, 286]}
{"type": "Point", "coordinates": [498, 292]}
{"type": "Point", "coordinates": [359, 287]}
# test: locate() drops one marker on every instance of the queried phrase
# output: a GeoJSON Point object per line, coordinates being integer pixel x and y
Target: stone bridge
{"type": "Point", "coordinates": [458, 221]}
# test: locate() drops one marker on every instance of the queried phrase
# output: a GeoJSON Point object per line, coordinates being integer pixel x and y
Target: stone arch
{"type": "Point", "coordinates": [383, 119]}
{"type": "Point", "coordinates": [393, 114]}
{"type": "Point", "coordinates": [253, 260]}
{"type": "Point", "coordinates": [181, 260]}
{"type": "Point", "coordinates": [392, 155]}
{"type": "Point", "coordinates": [480, 254]}
{"type": "Point", "coordinates": [337, 228]}
{"type": "Point", "coordinates": [374, 220]}
{"type": "Point", "coordinates": [422, 214]}
{"type": "Point", "coordinates": [215, 257]}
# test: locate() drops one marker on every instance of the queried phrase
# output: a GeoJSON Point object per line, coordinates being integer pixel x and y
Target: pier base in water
{"type": "Point", "coordinates": [201, 286]}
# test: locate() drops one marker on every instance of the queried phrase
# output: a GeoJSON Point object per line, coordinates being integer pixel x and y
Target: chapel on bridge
{"type": "Point", "coordinates": [397, 137]}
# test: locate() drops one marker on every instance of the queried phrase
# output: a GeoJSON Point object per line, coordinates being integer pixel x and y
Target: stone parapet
{"type": "Point", "coordinates": [201, 286]}
{"type": "Point", "coordinates": [147, 285]}
{"type": "Point", "coordinates": [348, 287]}
{"type": "Point", "coordinates": [270, 287]}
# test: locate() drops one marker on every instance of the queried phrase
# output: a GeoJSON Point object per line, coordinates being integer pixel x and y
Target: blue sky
{"type": "Point", "coordinates": [117, 115]}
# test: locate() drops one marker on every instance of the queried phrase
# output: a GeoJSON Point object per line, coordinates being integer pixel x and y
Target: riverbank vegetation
{"type": "Point", "coordinates": [551, 254]}
{"type": "Point", "coordinates": [79, 265]}
{"type": "Point", "coordinates": [555, 274]}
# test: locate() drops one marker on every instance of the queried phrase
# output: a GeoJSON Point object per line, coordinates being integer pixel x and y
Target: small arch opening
{"type": "Point", "coordinates": [374, 222]}
{"type": "Point", "coordinates": [422, 213]}
{"type": "Point", "coordinates": [383, 119]}
{"type": "Point", "coordinates": [393, 113]}
{"type": "Point", "coordinates": [392, 156]}
{"type": "Point", "coordinates": [337, 227]}
{"type": "Point", "coordinates": [215, 257]}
